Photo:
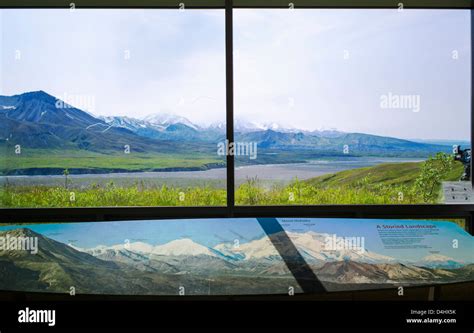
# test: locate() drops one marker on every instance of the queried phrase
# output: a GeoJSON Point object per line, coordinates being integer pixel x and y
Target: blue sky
{"type": "Point", "coordinates": [209, 232]}
{"type": "Point", "coordinates": [176, 60]}
{"type": "Point", "coordinates": [309, 69]}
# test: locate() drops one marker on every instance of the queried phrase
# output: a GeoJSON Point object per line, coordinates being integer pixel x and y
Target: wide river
{"type": "Point", "coordinates": [269, 173]}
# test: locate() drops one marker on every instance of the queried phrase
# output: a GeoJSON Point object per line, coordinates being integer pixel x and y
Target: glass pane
{"type": "Point", "coordinates": [174, 257]}
{"type": "Point", "coordinates": [351, 106]}
{"type": "Point", "coordinates": [112, 107]}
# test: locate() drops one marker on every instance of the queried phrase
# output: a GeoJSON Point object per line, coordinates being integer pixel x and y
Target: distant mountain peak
{"type": "Point", "coordinates": [129, 123]}
{"type": "Point", "coordinates": [437, 260]}
{"type": "Point", "coordinates": [178, 247]}
{"type": "Point", "coordinates": [313, 246]}
{"type": "Point", "coordinates": [437, 257]}
{"type": "Point", "coordinates": [40, 107]}
{"type": "Point", "coordinates": [167, 119]}
{"type": "Point", "coordinates": [39, 95]}
{"type": "Point", "coordinates": [244, 125]}
{"type": "Point", "coordinates": [184, 246]}
{"type": "Point", "coordinates": [21, 232]}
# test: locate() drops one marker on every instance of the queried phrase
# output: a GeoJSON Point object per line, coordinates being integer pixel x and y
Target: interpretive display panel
{"type": "Point", "coordinates": [232, 256]}
{"type": "Point", "coordinates": [376, 253]}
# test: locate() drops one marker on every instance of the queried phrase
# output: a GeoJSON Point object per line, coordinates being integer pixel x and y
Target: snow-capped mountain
{"type": "Point", "coordinates": [178, 247]}
{"type": "Point", "coordinates": [312, 247]}
{"type": "Point", "coordinates": [439, 261]}
{"type": "Point", "coordinates": [242, 125]}
{"type": "Point", "coordinates": [219, 126]}
{"type": "Point", "coordinates": [259, 257]}
{"type": "Point", "coordinates": [182, 247]}
{"type": "Point", "coordinates": [245, 126]}
{"type": "Point", "coordinates": [165, 127]}
{"type": "Point", "coordinates": [151, 125]}
{"type": "Point", "coordinates": [38, 120]}
{"type": "Point", "coordinates": [139, 247]}
{"type": "Point", "coordinates": [131, 124]}
{"type": "Point", "coordinates": [327, 133]}
{"type": "Point", "coordinates": [166, 119]}
{"type": "Point", "coordinates": [172, 127]}
{"type": "Point", "coordinates": [257, 249]}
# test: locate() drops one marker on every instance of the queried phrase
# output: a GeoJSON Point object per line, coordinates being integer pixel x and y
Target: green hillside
{"type": "Point", "coordinates": [387, 174]}
{"type": "Point", "coordinates": [390, 183]}
{"type": "Point", "coordinates": [382, 174]}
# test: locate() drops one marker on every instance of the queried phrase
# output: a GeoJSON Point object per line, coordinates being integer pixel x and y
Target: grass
{"type": "Point", "coordinates": [391, 183]}
{"type": "Point", "coordinates": [111, 195]}
{"type": "Point", "coordinates": [386, 174]}
{"type": "Point", "coordinates": [249, 193]}
{"type": "Point", "coordinates": [46, 158]}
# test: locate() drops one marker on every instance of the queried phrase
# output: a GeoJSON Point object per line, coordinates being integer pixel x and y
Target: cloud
{"type": "Point", "coordinates": [328, 68]}
{"type": "Point", "coordinates": [303, 68]}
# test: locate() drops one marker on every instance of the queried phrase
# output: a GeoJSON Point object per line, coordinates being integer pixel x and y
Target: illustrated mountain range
{"type": "Point", "coordinates": [33, 120]}
{"type": "Point", "coordinates": [251, 268]}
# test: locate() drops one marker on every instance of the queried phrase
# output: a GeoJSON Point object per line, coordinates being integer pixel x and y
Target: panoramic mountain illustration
{"type": "Point", "coordinates": [179, 266]}
{"type": "Point", "coordinates": [204, 263]}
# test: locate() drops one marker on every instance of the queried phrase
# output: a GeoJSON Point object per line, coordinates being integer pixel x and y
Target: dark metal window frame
{"type": "Point", "coordinates": [15, 215]}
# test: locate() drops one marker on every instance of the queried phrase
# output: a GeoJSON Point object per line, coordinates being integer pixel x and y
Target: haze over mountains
{"type": "Point", "coordinates": [33, 120]}
{"type": "Point", "coordinates": [253, 267]}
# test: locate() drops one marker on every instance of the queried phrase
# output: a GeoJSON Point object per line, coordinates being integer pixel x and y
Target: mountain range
{"type": "Point", "coordinates": [34, 120]}
{"type": "Point", "coordinates": [311, 246]}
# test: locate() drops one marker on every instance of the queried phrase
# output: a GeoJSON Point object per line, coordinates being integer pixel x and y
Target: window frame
{"type": "Point", "coordinates": [96, 214]}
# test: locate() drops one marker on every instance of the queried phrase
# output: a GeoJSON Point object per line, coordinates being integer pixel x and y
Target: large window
{"type": "Point", "coordinates": [128, 107]}
{"type": "Point", "coordinates": [350, 106]}
{"type": "Point", "coordinates": [112, 107]}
